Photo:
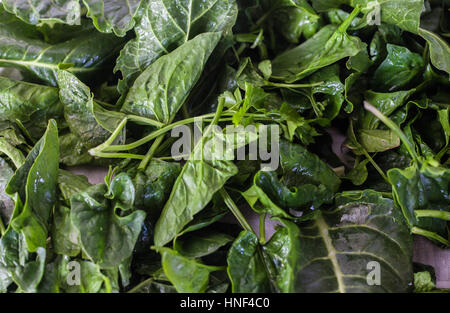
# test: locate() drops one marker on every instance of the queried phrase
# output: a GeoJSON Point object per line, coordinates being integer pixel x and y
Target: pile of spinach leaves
{"type": "Point", "coordinates": [358, 88]}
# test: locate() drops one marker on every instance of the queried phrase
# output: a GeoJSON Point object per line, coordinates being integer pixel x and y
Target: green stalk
{"type": "Point", "coordinates": [443, 215]}
{"type": "Point", "coordinates": [2, 227]}
{"type": "Point", "coordinates": [262, 228]}
{"type": "Point", "coordinates": [102, 148]}
{"type": "Point", "coordinates": [235, 210]}
{"type": "Point", "coordinates": [429, 234]}
{"type": "Point", "coordinates": [271, 84]}
{"type": "Point", "coordinates": [144, 120]}
{"type": "Point", "coordinates": [375, 165]}
{"type": "Point", "coordinates": [151, 152]}
{"type": "Point", "coordinates": [118, 155]}
{"type": "Point", "coordinates": [162, 131]}
{"type": "Point", "coordinates": [348, 21]}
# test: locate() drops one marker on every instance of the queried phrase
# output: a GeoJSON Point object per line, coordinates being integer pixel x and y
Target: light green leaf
{"type": "Point", "coordinates": [160, 91]}
{"type": "Point", "coordinates": [163, 26]}
{"type": "Point", "coordinates": [39, 11]}
{"type": "Point", "coordinates": [112, 15]}
{"type": "Point", "coordinates": [439, 50]}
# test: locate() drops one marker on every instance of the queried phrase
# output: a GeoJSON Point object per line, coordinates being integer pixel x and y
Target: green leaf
{"type": "Point", "coordinates": [326, 47]}
{"type": "Point", "coordinates": [106, 237]}
{"type": "Point", "coordinates": [33, 105]}
{"type": "Point", "coordinates": [73, 152]}
{"type": "Point", "coordinates": [16, 263]}
{"type": "Point", "coordinates": [6, 205]}
{"type": "Point", "coordinates": [201, 243]}
{"type": "Point", "coordinates": [359, 174]}
{"type": "Point", "coordinates": [64, 234]}
{"type": "Point", "coordinates": [423, 187]}
{"type": "Point", "coordinates": [187, 275]}
{"type": "Point", "coordinates": [386, 103]}
{"type": "Point", "coordinates": [303, 167]}
{"type": "Point", "coordinates": [399, 68]}
{"type": "Point", "coordinates": [439, 50]}
{"type": "Point", "coordinates": [14, 154]}
{"type": "Point", "coordinates": [194, 188]}
{"type": "Point", "coordinates": [91, 278]}
{"type": "Point", "coordinates": [245, 265]}
{"type": "Point", "coordinates": [153, 186]}
{"type": "Point", "coordinates": [112, 15]}
{"type": "Point", "coordinates": [36, 184]}
{"type": "Point", "coordinates": [338, 246]}
{"type": "Point", "coordinates": [41, 11]}
{"type": "Point", "coordinates": [163, 26]}
{"type": "Point", "coordinates": [404, 14]}
{"type": "Point", "coordinates": [269, 195]}
{"type": "Point", "coordinates": [423, 282]}
{"type": "Point", "coordinates": [88, 54]}
{"type": "Point", "coordinates": [122, 190]}
{"type": "Point", "coordinates": [160, 91]}
{"type": "Point", "coordinates": [281, 256]}
{"type": "Point", "coordinates": [71, 184]}
{"type": "Point", "coordinates": [378, 140]}
{"type": "Point", "coordinates": [86, 118]}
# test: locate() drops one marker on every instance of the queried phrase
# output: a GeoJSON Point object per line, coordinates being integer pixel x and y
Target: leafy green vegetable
{"type": "Point", "coordinates": [326, 47]}
{"type": "Point", "coordinates": [35, 182]}
{"type": "Point", "coordinates": [398, 69]}
{"type": "Point", "coordinates": [162, 27]}
{"type": "Point", "coordinates": [35, 12]}
{"type": "Point", "coordinates": [112, 16]}
{"type": "Point", "coordinates": [106, 237]}
{"type": "Point", "coordinates": [271, 146]}
{"type": "Point", "coordinates": [160, 91]}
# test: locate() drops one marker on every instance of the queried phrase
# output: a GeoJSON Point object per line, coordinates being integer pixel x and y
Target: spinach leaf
{"type": "Point", "coordinates": [423, 187]}
{"type": "Point", "coordinates": [17, 264]}
{"type": "Point", "coordinates": [106, 237]}
{"type": "Point", "coordinates": [399, 68]}
{"type": "Point", "coordinates": [326, 47]}
{"type": "Point", "coordinates": [33, 105]}
{"type": "Point", "coordinates": [35, 12]}
{"type": "Point", "coordinates": [201, 243]}
{"type": "Point", "coordinates": [162, 27]}
{"type": "Point", "coordinates": [332, 250]}
{"type": "Point", "coordinates": [198, 181]}
{"type": "Point", "coordinates": [112, 15]}
{"type": "Point", "coordinates": [6, 172]}
{"type": "Point", "coordinates": [185, 274]}
{"type": "Point", "coordinates": [35, 182]}
{"type": "Point", "coordinates": [87, 54]}
{"type": "Point", "coordinates": [86, 118]}
{"type": "Point", "coordinates": [160, 91]}
{"type": "Point", "coordinates": [439, 50]}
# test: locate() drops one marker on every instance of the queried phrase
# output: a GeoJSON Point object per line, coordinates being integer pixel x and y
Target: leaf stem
{"type": "Point", "coordinates": [281, 85]}
{"type": "Point", "coordinates": [151, 152]}
{"type": "Point", "coordinates": [431, 235]}
{"type": "Point", "coordinates": [375, 165]}
{"type": "Point", "coordinates": [116, 155]}
{"type": "Point", "coordinates": [2, 227]}
{"type": "Point", "coordinates": [443, 215]}
{"type": "Point", "coordinates": [102, 148]}
{"type": "Point", "coordinates": [235, 210]}
{"type": "Point", "coordinates": [145, 121]}
{"type": "Point", "coordinates": [262, 228]}
{"type": "Point", "coordinates": [159, 132]}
